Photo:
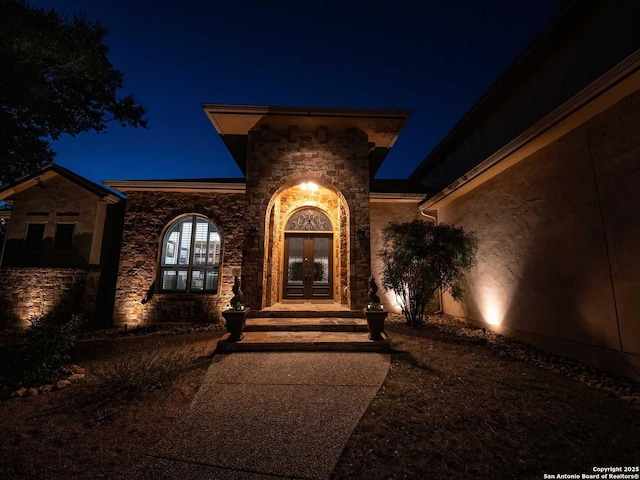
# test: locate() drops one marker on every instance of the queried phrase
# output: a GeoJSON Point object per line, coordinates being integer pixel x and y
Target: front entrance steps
{"type": "Point", "coordinates": [306, 309]}
{"type": "Point", "coordinates": [305, 334]}
{"type": "Point", "coordinates": [294, 313]}
{"type": "Point", "coordinates": [326, 324]}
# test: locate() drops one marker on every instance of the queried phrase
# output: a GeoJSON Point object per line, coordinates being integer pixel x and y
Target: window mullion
{"type": "Point", "coordinates": [194, 226]}
{"type": "Point", "coordinates": [208, 238]}
{"type": "Point", "coordinates": [176, 267]}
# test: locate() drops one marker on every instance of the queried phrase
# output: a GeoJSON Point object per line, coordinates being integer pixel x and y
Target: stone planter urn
{"type": "Point", "coordinates": [234, 323]}
{"type": "Point", "coordinates": [375, 323]}
{"type": "Point", "coordinates": [374, 313]}
{"type": "Point", "coordinates": [235, 318]}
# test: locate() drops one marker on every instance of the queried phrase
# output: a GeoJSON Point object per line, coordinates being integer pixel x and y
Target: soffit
{"type": "Point", "coordinates": [233, 123]}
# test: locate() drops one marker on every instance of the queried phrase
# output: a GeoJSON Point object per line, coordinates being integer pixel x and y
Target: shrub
{"type": "Point", "coordinates": [47, 348]}
{"type": "Point", "coordinates": [419, 258]}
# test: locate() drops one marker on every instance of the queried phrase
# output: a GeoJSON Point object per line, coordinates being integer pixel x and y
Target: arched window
{"type": "Point", "coordinates": [309, 219]}
{"type": "Point", "coordinates": [190, 260]}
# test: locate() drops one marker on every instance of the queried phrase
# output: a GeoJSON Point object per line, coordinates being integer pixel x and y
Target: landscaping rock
{"type": "Point", "coordinates": [45, 388]}
{"type": "Point", "coordinates": [80, 370]}
{"type": "Point", "coordinates": [75, 377]}
{"type": "Point", "coordinates": [19, 393]}
{"type": "Point", "coordinates": [33, 392]}
{"type": "Point", "coordinates": [60, 384]}
{"type": "Point", "coordinates": [625, 389]}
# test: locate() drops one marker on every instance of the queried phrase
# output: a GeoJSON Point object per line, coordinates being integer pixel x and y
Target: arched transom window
{"type": "Point", "coordinates": [190, 259]}
{"type": "Point", "coordinates": [309, 219]}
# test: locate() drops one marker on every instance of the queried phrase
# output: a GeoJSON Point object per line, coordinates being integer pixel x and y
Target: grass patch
{"type": "Point", "coordinates": [149, 369]}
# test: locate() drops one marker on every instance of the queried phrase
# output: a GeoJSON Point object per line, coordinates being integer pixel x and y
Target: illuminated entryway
{"type": "Point", "coordinates": [308, 259]}
{"type": "Point", "coordinates": [306, 245]}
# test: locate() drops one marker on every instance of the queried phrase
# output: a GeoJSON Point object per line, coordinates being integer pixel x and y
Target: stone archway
{"type": "Point", "coordinates": [285, 202]}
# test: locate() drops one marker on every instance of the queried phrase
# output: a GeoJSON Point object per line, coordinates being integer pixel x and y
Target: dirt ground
{"type": "Point", "coordinates": [83, 432]}
{"type": "Point", "coordinates": [451, 408]}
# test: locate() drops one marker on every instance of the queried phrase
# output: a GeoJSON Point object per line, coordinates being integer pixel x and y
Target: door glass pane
{"type": "Point", "coordinates": [294, 262]}
{"type": "Point", "coordinates": [182, 280]}
{"type": "Point", "coordinates": [309, 219]}
{"type": "Point", "coordinates": [320, 261]}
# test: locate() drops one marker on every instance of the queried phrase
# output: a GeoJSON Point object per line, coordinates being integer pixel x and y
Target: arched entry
{"type": "Point", "coordinates": [312, 209]}
{"type": "Point", "coordinates": [308, 258]}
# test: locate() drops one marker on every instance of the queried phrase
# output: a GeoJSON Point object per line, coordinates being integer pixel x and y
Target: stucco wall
{"type": "Point", "coordinates": [558, 244]}
{"type": "Point", "coordinates": [382, 213]}
{"type": "Point", "coordinates": [276, 159]}
{"type": "Point", "coordinates": [55, 196]}
{"type": "Point", "coordinates": [146, 216]}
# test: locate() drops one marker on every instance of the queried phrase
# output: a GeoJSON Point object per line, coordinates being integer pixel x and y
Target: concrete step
{"type": "Point", "coordinates": [305, 314]}
{"type": "Point", "coordinates": [325, 324]}
{"type": "Point", "coordinates": [288, 341]}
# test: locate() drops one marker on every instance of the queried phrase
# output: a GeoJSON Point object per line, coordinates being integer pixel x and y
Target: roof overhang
{"type": "Point", "coordinates": [7, 192]}
{"type": "Point", "coordinates": [612, 87]}
{"type": "Point", "coordinates": [233, 123]}
{"type": "Point", "coordinates": [174, 186]}
{"type": "Point", "coordinates": [377, 197]}
{"type": "Point", "coordinates": [192, 186]}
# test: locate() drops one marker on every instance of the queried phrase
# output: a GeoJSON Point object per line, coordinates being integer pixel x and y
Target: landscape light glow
{"type": "Point", "coordinates": [493, 306]}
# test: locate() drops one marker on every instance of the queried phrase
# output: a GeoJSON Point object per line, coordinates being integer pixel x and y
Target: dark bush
{"type": "Point", "coordinates": [47, 348]}
{"type": "Point", "coordinates": [419, 258]}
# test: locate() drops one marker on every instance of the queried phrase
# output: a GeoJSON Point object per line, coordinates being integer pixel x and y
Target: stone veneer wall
{"type": "Point", "coordinates": [35, 292]}
{"type": "Point", "coordinates": [146, 217]}
{"type": "Point", "coordinates": [558, 262]}
{"type": "Point", "coordinates": [277, 159]}
{"type": "Point", "coordinates": [287, 202]}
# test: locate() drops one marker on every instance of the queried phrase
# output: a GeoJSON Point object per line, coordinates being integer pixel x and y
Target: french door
{"type": "Point", "coordinates": [308, 266]}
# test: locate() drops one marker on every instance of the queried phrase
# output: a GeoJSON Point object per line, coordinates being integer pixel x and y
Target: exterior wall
{"type": "Point", "coordinates": [383, 213]}
{"type": "Point", "coordinates": [278, 159]}
{"type": "Point", "coordinates": [558, 244]}
{"type": "Point", "coordinates": [56, 196]}
{"type": "Point", "coordinates": [36, 292]}
{"type": "Point", "coordinates": [283, 205]}
{"type": "Point", "coordinates": [147, 215]}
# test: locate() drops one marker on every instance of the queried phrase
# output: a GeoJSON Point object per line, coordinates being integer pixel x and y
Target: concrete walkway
{"type": "Point", "coordinates": [269, 416]}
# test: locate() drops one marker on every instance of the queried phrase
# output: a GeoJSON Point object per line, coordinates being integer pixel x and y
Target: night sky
{"type": "Point", "coordinates": [435, 58]}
